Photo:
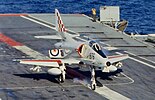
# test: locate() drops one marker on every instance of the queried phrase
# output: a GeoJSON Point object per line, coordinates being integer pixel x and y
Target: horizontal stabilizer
{"type": "Point", "coordinates": [54, 37]}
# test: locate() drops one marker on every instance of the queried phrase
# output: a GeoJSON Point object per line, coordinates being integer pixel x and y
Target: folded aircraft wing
{"type": "Point", "coordinates": [56, 37]}
{"type": "Point", "coordinates": [117, 58]}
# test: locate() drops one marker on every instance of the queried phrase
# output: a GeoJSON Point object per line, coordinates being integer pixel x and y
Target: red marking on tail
{"type": "Point", "coordinates": [9, 41]}
{"type": "Point", "coordinates": [61, 26]}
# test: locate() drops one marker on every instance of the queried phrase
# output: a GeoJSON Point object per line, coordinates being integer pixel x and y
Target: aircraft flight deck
{"type": "Point", "coordinates": [134, 81]}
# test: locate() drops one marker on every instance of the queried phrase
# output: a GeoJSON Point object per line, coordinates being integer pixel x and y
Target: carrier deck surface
{"type": "Point", "coordinates": [137, 81]}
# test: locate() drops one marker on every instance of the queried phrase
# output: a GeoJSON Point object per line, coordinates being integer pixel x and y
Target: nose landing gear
{"type": "Point", "coordinates": [93, 80]}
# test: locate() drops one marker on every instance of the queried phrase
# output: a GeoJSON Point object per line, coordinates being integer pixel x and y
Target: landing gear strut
{"type": "Point", "coordinates": [62, 75]}
{"type": "Point", "coordinates": [93, 81]}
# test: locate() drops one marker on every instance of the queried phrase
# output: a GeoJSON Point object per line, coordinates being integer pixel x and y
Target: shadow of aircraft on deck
{"type": "Point", "coordinates": [52, 78]}
{"type": "Point", "coordinates": [99, 74]}
{"type": "Point", "coordinates": [38, 76]}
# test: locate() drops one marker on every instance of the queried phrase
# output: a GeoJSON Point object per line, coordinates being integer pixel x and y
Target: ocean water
{"type": "Point", "coordinates": [139, 13]}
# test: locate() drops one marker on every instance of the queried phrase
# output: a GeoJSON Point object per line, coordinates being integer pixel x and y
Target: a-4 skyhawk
{"type": "Point", "coordinates": [89, 53]}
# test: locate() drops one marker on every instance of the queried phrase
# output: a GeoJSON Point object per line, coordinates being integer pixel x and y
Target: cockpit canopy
{"type": "Point", "coordinates": [96, 47]}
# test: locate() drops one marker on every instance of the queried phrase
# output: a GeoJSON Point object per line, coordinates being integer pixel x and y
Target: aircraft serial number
{"type": "Point", "coordinates": [91, 56]}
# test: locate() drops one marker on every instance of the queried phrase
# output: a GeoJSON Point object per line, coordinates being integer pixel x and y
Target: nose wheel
{"type": "Point", "coordinates": [93, 80]}
{"type": "Point", "coordinates": [93, 86]}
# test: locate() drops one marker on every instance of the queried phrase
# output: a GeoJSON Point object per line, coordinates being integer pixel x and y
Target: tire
{"type": "Point", "coordinates": [93, 86]}
{"type": "Point", "coordinates": [61, 80]}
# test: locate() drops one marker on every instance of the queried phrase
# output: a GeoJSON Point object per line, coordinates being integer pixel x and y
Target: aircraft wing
{"type": "Point", "coordinates": [110, 48]}
{"type": "Point", "coordinates": [54, 37]}
{"type": "Point", "coordinates": [117, 58]}
{"type": "Point", "coordinates": [50, 63]}
{"type": "Point", "coordinates": [47, 63]}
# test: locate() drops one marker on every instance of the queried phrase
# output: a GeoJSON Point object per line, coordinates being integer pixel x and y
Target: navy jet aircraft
{"type": "Point", "coordinates": [89, 53]}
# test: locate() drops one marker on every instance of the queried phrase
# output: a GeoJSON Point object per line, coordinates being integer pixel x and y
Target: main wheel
{"type": "Point", "coordinates": [93, 86]}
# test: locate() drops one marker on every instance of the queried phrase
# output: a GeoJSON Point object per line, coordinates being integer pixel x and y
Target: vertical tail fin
{"type": "Point", "coordinates": [61, 28]}
{"type": "Point", "coordinates": [59, 23]}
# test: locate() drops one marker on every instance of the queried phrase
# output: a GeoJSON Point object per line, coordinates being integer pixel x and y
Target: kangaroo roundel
{"type": "Point", "coordinates": [54, 52]}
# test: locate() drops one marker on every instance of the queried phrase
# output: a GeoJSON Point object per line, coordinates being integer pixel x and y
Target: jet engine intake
{"type": "Point", "coordinates": [108, 64]}
{"type": "Point", "coordinates": [81, 63]}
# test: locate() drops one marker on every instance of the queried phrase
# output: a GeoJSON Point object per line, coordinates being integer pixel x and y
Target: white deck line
{"type": "Point", "coordinates": [110, 94]}
{"type": "Point", "coordinates": [139, 61]}
{"type": "Point", "coordinates": [37, 22]}
{"type": "Point", "coordinates": [104, 91]}
{"type": "Point", "coordinates": [45, 22]}
{"type": "Point", "coordinates": [140, 57]}
{"type": "Point", "coordinates": [30, 52]}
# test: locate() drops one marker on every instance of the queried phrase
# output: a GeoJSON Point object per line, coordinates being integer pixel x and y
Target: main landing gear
{"type": "Point", "coordinates": [93, 81]}
{"type": "Point", "coordinates": [62, 75]}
